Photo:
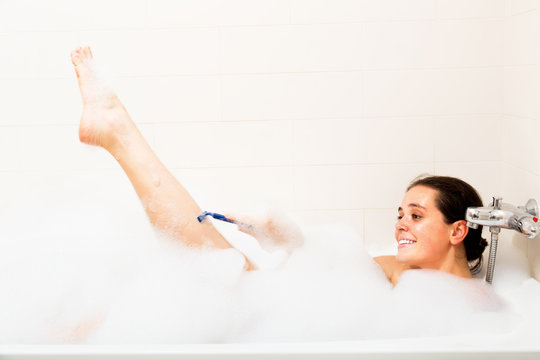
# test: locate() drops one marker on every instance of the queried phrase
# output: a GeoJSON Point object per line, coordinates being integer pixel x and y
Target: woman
{"type": "Point", "coordinates": [431, 231]}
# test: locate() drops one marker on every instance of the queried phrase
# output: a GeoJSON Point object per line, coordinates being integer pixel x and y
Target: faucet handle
{"type": "Point", "coordinates": [497, 201]}
{"type": "Point", "coordinates": [530, 207]}
{"type": "Point", "coordinates": [529, 227]}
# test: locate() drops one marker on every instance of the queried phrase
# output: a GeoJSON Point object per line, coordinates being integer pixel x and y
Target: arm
{"type": "Point", "coordinates": [391, 267]}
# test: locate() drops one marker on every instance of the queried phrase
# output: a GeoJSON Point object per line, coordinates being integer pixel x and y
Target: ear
{"type": "Point", "coordinates": [459, 232]}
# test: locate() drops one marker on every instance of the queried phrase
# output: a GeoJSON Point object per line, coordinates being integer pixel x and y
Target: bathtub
{"type": "Point", "coordinates": [422, 348]}
{"type": "Point", "coordinates": [524, 345]}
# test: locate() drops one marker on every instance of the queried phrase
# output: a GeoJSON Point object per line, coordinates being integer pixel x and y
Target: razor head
{"type": "Point", "coordinates": [203, 215]}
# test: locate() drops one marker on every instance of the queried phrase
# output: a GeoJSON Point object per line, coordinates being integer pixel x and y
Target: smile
{"type": "Point", "coordinates": [406, 243]}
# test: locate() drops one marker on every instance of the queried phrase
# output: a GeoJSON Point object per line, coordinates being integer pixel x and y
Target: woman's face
{"type": "Point", "coordinates": [422, 235]}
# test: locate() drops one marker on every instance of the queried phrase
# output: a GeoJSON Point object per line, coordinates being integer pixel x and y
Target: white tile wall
{"type": "Point", "coordinates": [460, 9]}
{"type": "Point", "coordinates": [292, 96]}
{"type": "Point", "coordinates": [44, 148]}
{"type": "Point", "coordinates": [353, 186]}
{"type": "Point", "coordinates": [354, 218]}
{"type": "Point", "coordinates": [35, 55]}
{"type": "Point", "coordinates": [435, 44]}
{"type": "Point", "coordinates": [468, 138]}
{"type": "Point", "coordinates": [521, 38]}
{"type": "Point", "coordinates": [171, 99]}
{"type": "Point", "coordinates": [325, 107]}
{"type": "Point", "coordinates": [36, 15]}
{"type": "Point", "coordinates": [519, 184]}
{"type": "Point", "coordinates": [521, 86]}
{"type": "Point", "coordinates": [354, 141]}
{"type": "Point", "coordinates": [9, 136]}
{"type": "Point", "coordinates": [427, 92]}
{"type": "Point", "coordinates": [327, 11]}
{"type": "Point", "coordinates": [39, 101]}
{"type": "Point", "coordinates": [484, 176]}
{"type": "Point", "coordinates": [240, 189]}
{"type": "Point", "coordinates": [208, 144]}
{"type": "Point", "coordinates": [172, 13]}
{"type": "Point", "coordinates": [160, 52]}
{"type": "Point", "coordinates": [522, 113]}
{"type": "Point", "coordinates": [521, 133]}
{"type": "Point", "coordinates": [517, 7]}
{"type": "Point", "coordinates": [379, 230]}
{"type": "Point", "coordinates": [298, 48]}
{"type": "Point", "coordinates": [3, 19]}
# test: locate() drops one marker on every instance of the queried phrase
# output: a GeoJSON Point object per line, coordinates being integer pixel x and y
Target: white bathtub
{"type": "Point", "coordinates": [521, 346]}
{"type": "Point", "coordinates": [427, 348]}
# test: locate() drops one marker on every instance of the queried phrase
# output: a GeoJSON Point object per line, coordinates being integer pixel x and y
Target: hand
{"type": "Point", "coordinates": [273, 231]}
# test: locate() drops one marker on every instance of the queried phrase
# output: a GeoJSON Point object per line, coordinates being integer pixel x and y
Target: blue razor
{"type": "Point", "coordinates": [222, 218]}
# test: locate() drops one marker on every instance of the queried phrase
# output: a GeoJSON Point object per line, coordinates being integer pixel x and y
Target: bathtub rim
{"type": "Point", "coordinates": [421, 348]}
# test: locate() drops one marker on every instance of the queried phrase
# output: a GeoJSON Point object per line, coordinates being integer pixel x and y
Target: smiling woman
{"type": "Point", "coordinates": [431, 230]}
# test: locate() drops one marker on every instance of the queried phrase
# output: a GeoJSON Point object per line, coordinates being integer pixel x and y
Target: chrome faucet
{"type": "Point", "coordinates": [523, 219]}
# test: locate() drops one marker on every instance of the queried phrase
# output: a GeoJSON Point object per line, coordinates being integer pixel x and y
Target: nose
{"type": "Point", "coordinates": [401, 224]}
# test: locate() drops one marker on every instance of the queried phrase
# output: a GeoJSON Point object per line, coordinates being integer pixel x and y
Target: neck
{"type": "Point", "coordinates": [454, 263]}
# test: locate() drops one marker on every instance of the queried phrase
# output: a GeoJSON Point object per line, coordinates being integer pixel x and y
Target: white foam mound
{"type": "Point", "coordinates": [105, 267]}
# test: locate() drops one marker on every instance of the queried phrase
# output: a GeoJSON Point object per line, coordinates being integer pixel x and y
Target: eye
{"type": "Point", "coordinates": [399, 217]}
{"type": "Point", "coordinates": [416, 217]}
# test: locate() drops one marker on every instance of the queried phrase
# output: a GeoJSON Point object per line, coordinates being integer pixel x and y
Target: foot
{"type": "Point", "coordinates": [104, 118]}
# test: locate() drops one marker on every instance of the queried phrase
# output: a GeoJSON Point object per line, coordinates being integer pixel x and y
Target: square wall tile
{"type": "Point", "coordinates": [262, 143]}
{"type": "Point", "coordinates": [432, 92]}
{"type": "Point", "coordinates": [292, 96]}
{"type": "Point", "coordinates": [468, 138]}
{"type": "Point", "coordinates": [519, 185]}
{"type": "Point", "coordinates": [239, 190]}
{"type": "Point", "coordinates": [171, 13]}
{"type": "Point", "coordinates": [395, 45]}
{"type": "Point", "coordinates": [521, 33]}
{"type": "Point", "coordinates": [521, 140]}
{"type": "Point", "coordinates": [36, 15]}
{"type": "Point", "coordinates": [40, 101]}
{"type": "Point", "coordinates": [171, 98]}
{"type": "Point", "coordinates": [324, 47]}
{"type": "Point", "coordinates": [353, 141]}
{"type": "Point", "coordinates": [34, 55]}
{"type": "Point", "coordinates": [324, 11]}
{"type": "Point", "coordinates": [470, 8]}
{"type": "Point", "coordinates": [353, 186]}
{"type": "Point", "coordinates": [521, 89]}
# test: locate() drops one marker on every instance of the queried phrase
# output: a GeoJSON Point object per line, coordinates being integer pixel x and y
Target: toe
{"type": "Point", "coordinates": [80, 54]}
{"type": "Point", "coordinates": [87, 53]}
{"type": "Point", "coordinates": [75, 58]}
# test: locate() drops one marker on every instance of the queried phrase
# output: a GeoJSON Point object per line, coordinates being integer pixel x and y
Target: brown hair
{"type": "Point", "coordinates": [454, 197]}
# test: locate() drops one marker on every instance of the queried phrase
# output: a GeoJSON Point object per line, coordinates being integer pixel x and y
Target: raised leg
{"type": "Point", "coordinates": [106, 123]}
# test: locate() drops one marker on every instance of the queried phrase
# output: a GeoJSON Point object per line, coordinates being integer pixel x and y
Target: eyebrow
{"type": "Point", "coordinates": [412, 205]}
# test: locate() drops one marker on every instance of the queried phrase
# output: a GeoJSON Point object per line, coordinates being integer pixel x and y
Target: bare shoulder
{"type": "Point", "coordinates": [391, 267]}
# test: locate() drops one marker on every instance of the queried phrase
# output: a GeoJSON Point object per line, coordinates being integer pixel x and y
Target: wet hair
{"type": "Point", "coordinates": [454, 197]}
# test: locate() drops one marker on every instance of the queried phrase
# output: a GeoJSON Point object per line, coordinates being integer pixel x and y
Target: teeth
{"type": "Point", "coordinates": [406, 242]}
